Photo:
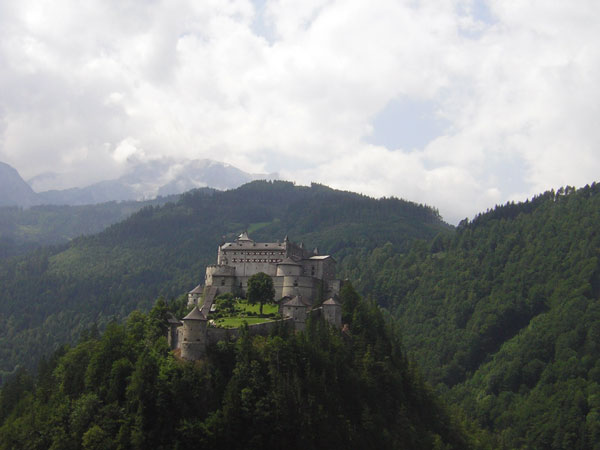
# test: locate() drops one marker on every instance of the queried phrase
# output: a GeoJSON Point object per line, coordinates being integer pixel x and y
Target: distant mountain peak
{"type": "Point", "coordinates": [14, 191]}
{"type": "Point", "coordinates": [146, 179]}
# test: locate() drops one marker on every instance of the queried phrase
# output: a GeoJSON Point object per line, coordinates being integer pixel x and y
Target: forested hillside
{"type": "Point", "coordinates": [321, 388]}
{"type": "Point", "coordinates": [22, 230]}
{"type": "Point", "coordinates": [48, 297]}
{"type": "Point", "coordinates": [503, 316]}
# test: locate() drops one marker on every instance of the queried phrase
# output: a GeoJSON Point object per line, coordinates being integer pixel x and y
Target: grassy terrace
{"type": "Point", "coordinates": [232, 313]}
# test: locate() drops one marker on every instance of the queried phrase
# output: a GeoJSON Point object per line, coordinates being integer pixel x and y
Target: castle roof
{"type": "Point", "coordinates": [320, 257]}
{"type": "Point", "coordinates": [244, 237]}
{"type": "Point", "coordinates": [296, 301]}
{"type": "Point", "coordinates": [332, 301]}
{"type": "Point", "coordinates": [288, 262]}
{"type": "Point", "coordinates": [197, 290]}
{"type": "Point", "coordinates": [194, 314]}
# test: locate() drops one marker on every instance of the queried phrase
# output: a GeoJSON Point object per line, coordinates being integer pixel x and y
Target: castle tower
{"type": "Point", "coordinates": [195, 294]}
{"type": "Point", "coordinates": [291, 271]}
{"type": "Point", "coordinates": [296, 309]}
{"type": "Point", "coordinates": [332, 312]}
{"type": "Point", "coordinates": [193, 345]}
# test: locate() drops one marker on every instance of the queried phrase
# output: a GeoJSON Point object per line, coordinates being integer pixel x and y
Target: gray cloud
{"type": "Point", "coordinates": [301, 88]}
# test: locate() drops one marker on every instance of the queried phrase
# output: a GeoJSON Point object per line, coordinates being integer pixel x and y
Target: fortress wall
{"type": "Point", "coordinates": [193, 350]}
{"type": "Point", "coordinates": [215, 271]}
{"type": "Point", "coordinates": [215, 334]}
{"type": "Point", "coordinates": [332, 287]}
{"type": "Point", "coordinates": [289, 270]}
{"type": "Point", "coordinates": [264, 329]}
{"type": "Point", "coordinates": [224, 283]}
{"type": "Point", "coordinates": [250, 268]}
{"type": "Point", "coordinates": [304, 286]}
{"type": "Point", "coordinates": [278, 286]}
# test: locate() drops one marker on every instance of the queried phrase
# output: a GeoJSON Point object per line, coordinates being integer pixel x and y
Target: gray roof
{"type": "Point", "coordinates": [321, 257]}
{"type": "Point", "coordinates": [197, 290]}
{"type": "Point", "coordinates": [296, 301]}
{"type": "Point", "coordinates": [288, 262]}
{"type": "Point", "coordinates": [194, 314]}
{"type": "Point", "coordinates": [244, 237]}
{"type": "Point", "coordinates": [253, 245]}
{"type": "Point", "coordinates": [332, 301]}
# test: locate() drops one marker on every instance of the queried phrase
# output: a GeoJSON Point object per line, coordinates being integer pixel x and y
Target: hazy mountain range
{"type": "Point", "coordinates": [144, 180]}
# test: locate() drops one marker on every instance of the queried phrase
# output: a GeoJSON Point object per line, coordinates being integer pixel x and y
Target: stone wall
{"type": "Point", "coordinates": [215, 334]}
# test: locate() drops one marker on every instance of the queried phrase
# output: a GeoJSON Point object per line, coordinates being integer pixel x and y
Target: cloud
{"type": "Point", "coordinates": [301, 87]}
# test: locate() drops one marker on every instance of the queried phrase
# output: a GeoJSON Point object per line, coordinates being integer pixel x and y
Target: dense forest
{"type": "Point", "coordinates": [51, 295]}
{"type": "Point", "coordinates": [25, 229]}
{"type": "Point", "coordinates": [321, 388]}
{"type": "Point", "coordinates": [503, 316]}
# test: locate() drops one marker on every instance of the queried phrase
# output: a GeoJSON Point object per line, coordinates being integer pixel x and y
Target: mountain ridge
{"type": "Point", "coordinates": [15, 191]}
{"type": "Point", "coordinates": [143, 180]}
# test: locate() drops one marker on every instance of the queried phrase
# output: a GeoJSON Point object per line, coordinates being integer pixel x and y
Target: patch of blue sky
{"type": "Point", "coordinates": [481, 18]}
{"type": "Point", "coordinates": [482, 12]}
{"type": "Point", "coordinates": [407, 124]}
{"type": "Point", "coordinates": [260, 26]}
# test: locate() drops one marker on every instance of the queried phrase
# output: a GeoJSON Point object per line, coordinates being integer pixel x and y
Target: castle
{"type": "Point", "coordinates": [301, 279]}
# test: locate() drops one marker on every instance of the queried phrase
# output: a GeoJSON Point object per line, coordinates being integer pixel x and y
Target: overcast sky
{"type": "Point", "coordinates": [458, 104]}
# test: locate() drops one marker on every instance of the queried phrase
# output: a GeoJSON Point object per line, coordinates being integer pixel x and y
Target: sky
{"type": "Point", "coordinates": [459, 104]}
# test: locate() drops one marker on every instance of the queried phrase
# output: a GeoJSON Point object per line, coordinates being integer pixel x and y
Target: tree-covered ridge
{"type": "Point", "coordinates": [503, 316]}
{"type": "Point", "coordinates": [22, 230]}
{"type": "Point", "coordinates": [321, 388]}
{"type": "Point", "coordinates": [49, 296]}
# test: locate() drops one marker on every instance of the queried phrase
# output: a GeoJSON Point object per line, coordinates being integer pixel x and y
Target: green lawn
{"type": "Point", "coordinates": [236, 322]}
{"type": "Point", "coordinates": [246, 313]}
{"type": "Point", "coordinates": [267, 308]}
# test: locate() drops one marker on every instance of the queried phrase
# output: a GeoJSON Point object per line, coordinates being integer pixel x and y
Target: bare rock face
{"type": "Point", "coordinates": [14, 191]}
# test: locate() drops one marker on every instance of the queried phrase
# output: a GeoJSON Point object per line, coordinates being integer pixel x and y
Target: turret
{"type": "Point", "coordinates": [194, 335]}
{"type": "Point", "coordinates": [296, 308]}
{"type": "Point", "coordinates": [332, 312]}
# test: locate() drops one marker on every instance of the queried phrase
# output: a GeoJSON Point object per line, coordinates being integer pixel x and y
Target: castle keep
{"type": "Point", "coordinates": [301, 279]}
{"type": "Point", "coordinates": [295, 270]}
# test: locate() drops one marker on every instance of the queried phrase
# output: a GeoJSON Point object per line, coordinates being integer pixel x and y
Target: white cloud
{"type": "Point", "coordinates": [87, 85]}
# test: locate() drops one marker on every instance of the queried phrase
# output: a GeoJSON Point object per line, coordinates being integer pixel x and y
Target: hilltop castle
{"type": "Point", "coordinates": [301, 279]}
{"type": "Point", "coordinates": [295, 271]}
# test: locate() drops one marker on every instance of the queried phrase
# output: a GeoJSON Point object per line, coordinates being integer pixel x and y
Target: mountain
{"type": "Point", "coordinates": [13, 189]}
{"type": "Point", "coordinates": [49, 296]}
{"type": "Point", "coordinates": [503, 316]}
{"type": "Point", "coordinates": [22, 230]}
{"type": "Point", "coordinates": [149, 179]}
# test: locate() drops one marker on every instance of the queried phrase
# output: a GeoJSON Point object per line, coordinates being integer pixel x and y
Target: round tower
{"type": "Point", "coordinates": [289, 268]}
{"type": "Point", "coordinates": [296, 309]}
{"type": "Point", "coordinates": [332, 312]}
{"type": "Point", "coordinates": [194, 335]}
{"type": "Point", "coordinates": [291, 271]}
